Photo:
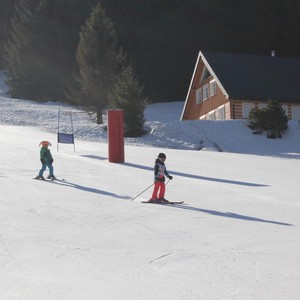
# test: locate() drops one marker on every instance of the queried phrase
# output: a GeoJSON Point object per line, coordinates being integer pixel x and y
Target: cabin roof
{"type": "Point", "coordinates": [255, 77]}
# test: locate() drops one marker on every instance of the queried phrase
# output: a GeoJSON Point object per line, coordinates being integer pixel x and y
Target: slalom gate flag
{"type": "Point", "coordinates": [66, 138]}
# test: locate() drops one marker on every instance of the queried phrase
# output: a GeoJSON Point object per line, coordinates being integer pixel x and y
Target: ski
{"type": "Point", "coordinates": [49, 180]}
{"type": "Point", "coordinates": [164, 202]}
{"type": "Point", "coordinates": [35, 178]}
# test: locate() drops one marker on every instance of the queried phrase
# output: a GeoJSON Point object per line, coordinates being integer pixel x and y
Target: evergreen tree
{"type": "Point", "coordinates": [40, 54]}
{"type": "Point", "coordinates": [100, 59]}
{"type": "Point", "coordinates": [6, 12]}
{"type": "Point", "coordinates": [69, 16]}
{"type": "Point", "coordinates": [17, 51]}
{"type": "Point", "coordinates": [257, 120]}
{"type": "Point", "coordinates": [31, 74]}
{"type": "Point", "coordinates": [276, 120]}
{"type": "Point", "coordinates": [272, 119]}
{"type": "Point", "coordinates": [127, 95]}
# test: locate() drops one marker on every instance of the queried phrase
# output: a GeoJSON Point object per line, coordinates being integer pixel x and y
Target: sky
{"type": "Point", "coordinates": [83, 237]}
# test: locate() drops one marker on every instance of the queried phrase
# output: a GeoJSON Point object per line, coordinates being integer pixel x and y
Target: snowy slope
{"type": "Point", "coordinates": [163, 126]}
{"type": "Point", "coordinates": [235, 237]}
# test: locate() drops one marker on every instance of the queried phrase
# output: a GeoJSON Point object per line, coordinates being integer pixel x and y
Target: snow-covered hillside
{"type": "Point", "coordinates": [165, 129]}
{"type": "Point", "coordinates": [235, 237]}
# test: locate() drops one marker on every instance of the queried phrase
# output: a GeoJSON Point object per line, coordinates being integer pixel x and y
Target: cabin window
{"type": "Point", "coordinates": [211, 115]}
{"type": "Point", "coordinates": [295, 112]}
{"type": "Point", "coordinates": [213, 88]}
{"type": "Point", "coordinates": [285, 108]}
{"type": "Point", "coordinates": [205, 75]}
{"type": "Point", "coordinates": [198, 96]}
{"type": "Point", "coordinates": [221, 113]}
{"type": "Point", "coordinates": [246, 107]}
{"type": "Point", "coordinates": [262, 105]}
{"type": "Point", "coordinates": [205, 92]}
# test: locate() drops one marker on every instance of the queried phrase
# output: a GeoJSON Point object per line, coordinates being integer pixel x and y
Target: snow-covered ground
{"type": "Point", "coordinates": [236, 237]}
{"type": "Point", "coordinates": [165, 129]}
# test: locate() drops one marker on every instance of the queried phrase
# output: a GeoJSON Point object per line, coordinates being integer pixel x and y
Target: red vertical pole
{"type": "Point", "coordinates": [115, 120]}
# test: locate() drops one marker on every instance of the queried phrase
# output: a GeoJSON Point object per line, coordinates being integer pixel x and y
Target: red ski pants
{"type": "Point", "coordinates": [159, 190]}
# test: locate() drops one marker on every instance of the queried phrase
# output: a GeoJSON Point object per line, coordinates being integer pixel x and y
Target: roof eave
{"type": "Point", "coordinates": [211, 71]}
{"type": "Point", "coordinates": [189, 90]}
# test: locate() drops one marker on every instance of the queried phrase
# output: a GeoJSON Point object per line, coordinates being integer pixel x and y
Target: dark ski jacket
{"type": "Point", "coordinates": [46, 157]}
{"type": "Point", "coordinates": [160, 171]}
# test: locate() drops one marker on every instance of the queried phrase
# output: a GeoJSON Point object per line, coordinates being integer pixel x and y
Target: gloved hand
{"type": "Point", "coordinates": [170, 177]}
{"type": "Point", "coordinates": [51, 161]}
{"type": "Point", "coordinates": [42, 161]}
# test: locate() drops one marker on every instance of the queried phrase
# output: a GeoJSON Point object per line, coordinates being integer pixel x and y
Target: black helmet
{"type": "Point", "coordinates": [162, 155]}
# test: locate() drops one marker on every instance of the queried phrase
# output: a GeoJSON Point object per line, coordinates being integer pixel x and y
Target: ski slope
{"type": "Point", "coordinates": [235, 237]}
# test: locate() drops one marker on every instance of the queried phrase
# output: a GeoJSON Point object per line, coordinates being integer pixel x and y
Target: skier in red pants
{"type": "Point", "coordinates": [160, 171]}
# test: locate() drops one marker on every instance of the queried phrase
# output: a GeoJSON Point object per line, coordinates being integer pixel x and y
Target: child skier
{"type": "Point", "coordinates": [160, 171]}
{"type": "Point", "coordinates": [46, 160]}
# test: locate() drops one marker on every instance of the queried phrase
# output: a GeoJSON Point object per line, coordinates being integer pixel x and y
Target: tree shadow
{"type": "Point", "coordinates": [229, 215]}
{"type": "Point", "coordinates": [199, 176]}
{"type": "Point", "coordinates": [89, 189]}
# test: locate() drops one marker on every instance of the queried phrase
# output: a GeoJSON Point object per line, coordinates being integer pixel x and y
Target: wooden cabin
{"type": "Point", "coordinates": [226, 86]}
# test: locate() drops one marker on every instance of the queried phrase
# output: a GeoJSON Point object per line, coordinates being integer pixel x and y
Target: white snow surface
{"type": "Point", "coordinates": [236, 237]}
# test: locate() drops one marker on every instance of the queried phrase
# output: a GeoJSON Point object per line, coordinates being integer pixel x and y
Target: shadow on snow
{"type": "Point", "coordinates": [230, 215]}
{"type": "Point", "coordinates": [89, 189]}
{"type": "Point", "coordinates": [198, 176]}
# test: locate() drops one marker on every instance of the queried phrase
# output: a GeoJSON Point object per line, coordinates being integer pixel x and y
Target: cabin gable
{"type": "Point", "coordinates": [226, 86]}
{"type": "Point", "coordinates": [206, 97]}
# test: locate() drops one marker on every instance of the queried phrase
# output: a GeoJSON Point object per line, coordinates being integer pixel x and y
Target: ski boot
{"type": "Point", "coordinates": [164, 200]}
{"type": "Point", "coordinates": [153, 200]}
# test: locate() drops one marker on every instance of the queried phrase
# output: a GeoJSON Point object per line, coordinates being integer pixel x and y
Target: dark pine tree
{"type": "Point", "coordinates": [7, 10]}
{"type": "Point", "coordinates": [276, 120]}
{"type": "Point", "coordinates": [40, 53]}
{"type": "Point", "coordinates": [100, 60]}
{"type": "Point", "coordinates": [271, 119]}
{"type": "Point", "coordinates": [127, 95]}
{"type": "Point", "coordinates": [18, 51]}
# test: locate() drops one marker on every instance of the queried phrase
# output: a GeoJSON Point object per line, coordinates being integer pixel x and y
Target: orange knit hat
{"type": "Point", "coordinates": [45, 143]}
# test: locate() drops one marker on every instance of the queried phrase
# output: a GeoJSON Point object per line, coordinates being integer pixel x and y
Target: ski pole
{"type": "Point", "coordinates": [142, 192]}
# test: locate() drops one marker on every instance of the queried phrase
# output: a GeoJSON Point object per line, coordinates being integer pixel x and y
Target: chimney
{"type": "Point", "coordinates": [273, 53]}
